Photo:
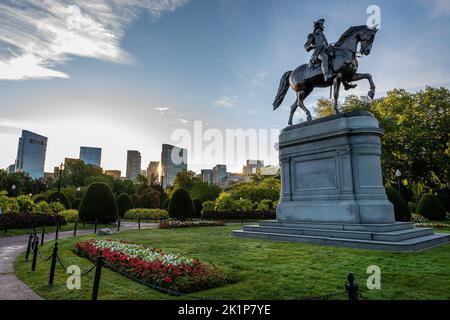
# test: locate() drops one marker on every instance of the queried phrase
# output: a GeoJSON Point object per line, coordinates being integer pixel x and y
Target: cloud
{"type": "Point", "coordinates": [226, 102]}
{"type": "Point", "coordinates": [40, 34]}
{"type": "Point", "coordinates": [438, 7]}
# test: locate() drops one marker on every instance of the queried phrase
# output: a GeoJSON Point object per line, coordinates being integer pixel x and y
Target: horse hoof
{"type": "Point", "coordinates": [308, 117]}
{"type": "Point", "coordinates": [371, 94]}
{"type": "Point", "coordinates": [290, 123]}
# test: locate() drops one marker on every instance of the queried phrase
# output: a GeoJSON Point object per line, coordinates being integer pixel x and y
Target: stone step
{"type": "Point", "coordinates": [419, 243]}
{"type": "Point", "coordinates": [339, 226]}
{"type": "Point", "coordinates": [391, 236]}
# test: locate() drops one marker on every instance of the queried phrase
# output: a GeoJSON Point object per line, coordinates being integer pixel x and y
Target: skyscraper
{"type": "Point", "coordinates": [31, 154]}
{"type": "Point", "coordinates": [219, 173]}
{"type": "Point", "coordinates": [251, 166]}
{"type": "Point", "coordinates": [133, 164]}
{"type": "Point", "coordinates": [91, 155]}
{"type": "Point", "coordinates": [173, 160]}
{"type": "Point", "coordinates": [153, 170]}
{"type": "Point", "coordinates": [207, 175]}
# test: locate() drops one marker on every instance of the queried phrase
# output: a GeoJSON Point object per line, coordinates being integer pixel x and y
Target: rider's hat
{"type": "Point", "coordinates": [319, 22]}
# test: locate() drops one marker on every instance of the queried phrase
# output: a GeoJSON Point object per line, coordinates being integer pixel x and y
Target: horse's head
{"type": "Point", "coordinates": [366, 38]}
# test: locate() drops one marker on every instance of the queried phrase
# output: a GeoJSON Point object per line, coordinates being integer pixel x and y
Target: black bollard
{"type": "Point", "coordinates": [98, 273]}
{"type": "Point", "coordinates": [53, 265]}
{"type": "Point", "coordinates": [118, 224]}
{"type": "Point", "coordinates": [95, 226]}
{"type": "Point", "coordinates": [30, 240]}
{"type": "Point", "coordinates": [35, 253]}
{"type": "Point", "coordinates": [352, 288]}
{"type": "Point", "coordinates": [42, 236]}
{"type": "Point", "coordinates": [139, 224]}
{"type": "Point", "coordinates": [57, 232]}
{"type": "Point", "coordinates": [75, 228]}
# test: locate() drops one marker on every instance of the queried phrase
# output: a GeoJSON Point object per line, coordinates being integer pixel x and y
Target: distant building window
{"type": "Point", "coordinates": [34, 141]}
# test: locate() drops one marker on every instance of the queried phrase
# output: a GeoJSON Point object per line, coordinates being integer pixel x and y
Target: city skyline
{"type": "Point", "coordinates": [120, 88]}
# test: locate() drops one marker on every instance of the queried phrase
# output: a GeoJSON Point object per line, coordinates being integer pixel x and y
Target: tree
{"type": "Point", "coordinates": [180, 206]}
{"type": "Point", "coordinates": [401, 208]}
{"type": "Point", "coordinates": [225, 202]}
{"type": "Point", "coordinates": [124, 204]}
{"type": "Point", "coordinates": [150, 199]}
{"type": "Point", "coordinates": [204, 191]}
{"type": "Point", "coordinates": [61, 197]}
{"type": "Point", "coordinates": [198, 207]}
{"type": "Point", "coordinates": [98, 204]}
{"type": "Point", "coordinates": [431, 208]}
{"type": "Point", "coordinates": [324, 108]}
{"type": "Point", "coordinates": [185, 180]}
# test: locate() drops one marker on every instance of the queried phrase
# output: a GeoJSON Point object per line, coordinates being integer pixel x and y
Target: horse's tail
{"type": "Point", "coordinates": [282, 90]}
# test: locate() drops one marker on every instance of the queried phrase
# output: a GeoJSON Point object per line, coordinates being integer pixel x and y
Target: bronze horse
{"type": "Point", "coordinates": [344, 65]}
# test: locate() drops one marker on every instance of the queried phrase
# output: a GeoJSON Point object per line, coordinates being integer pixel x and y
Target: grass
{"type": "Point", "coordinates": [67, 227]}
{"type": "Point", "coordinates": [261, 269]}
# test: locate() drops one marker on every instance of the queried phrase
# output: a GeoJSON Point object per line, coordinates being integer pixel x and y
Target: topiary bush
{"type": "Point", "coordinates": [412, 206]}
{"type": "Point", "coordinates": [431, 208]}
{"type": "Point", "coordinates": [198, 207]}
{"type": "Point", "coordinates": [124, 204]}
{"type": "Point", "coordinates": [401, 208]}
{"type": "Point", "coordinates": [69, 215]}
{"type": "Point", "coordinates": [208, 206]}
{"type": "Point", "coordinates": [146, 214]}
{"type": "Point", "coordinates": [98, 204]}
{"type": "Point", "coordinates": [62, 198]}
{"type": "Point", "coordinates": [76, 204]}
{"type": "Point", "coordinates": [180, 206]}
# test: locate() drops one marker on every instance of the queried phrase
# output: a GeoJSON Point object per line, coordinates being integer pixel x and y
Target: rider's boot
{"type": "Point", "coordinates": [325, 68]}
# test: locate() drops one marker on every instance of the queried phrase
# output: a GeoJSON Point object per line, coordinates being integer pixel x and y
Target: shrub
{"type": "Point", "coordinates": [146, 214]}
{"type": "Point", "coordinates": [237, 215]}
{"type": "Point", "coordinates": [225, 203]}
{"type": "Point", "coordinates": [135, 199]}
{"type": "Point", "coordinates": [98, 204]}
{"type": "Point", "coordinates": [25, 203]}
{"type": "Point", "coordinates": [165, 204]}
{"type": "Point", "coordinates": [244, 204]}
{"type": "Point", "coordinates": [150, 199]}
{"type": "Point", "coordinates": [48, 208]}
{"type": "Point", "coordinates": [431, 208]}
{"type": "Point", "coordinates": [7, 204]}
{"type": "Point", "coordinates": [412, 206]}
{"type": "Point", "coordinates": [124, 204]}
{"type": "Point", "coordinates": [26, 220]}
{"type": "Point", "coordinates": [69, 215]}
{"type": "Point", "coordinates": [401, 208]}
{"type": "Point", "coordinates": [264, 205]}
{"type": "Point", "coordinates": [208, 206]}
{"type": "Point", "coordinates": [444, 197]}
{"type": "Point", "coordinates": [62, 198]}
{"type": "Point", "coordinates": [418, 218]}
{"type": "Point", "coordinates": [39, 198]}
{"type": "Point", "coordinates": [180, 206]}
{"type": "Point", "coordinates": [198, 207]}
{"type": "Point", "coordinates": [76, 204]}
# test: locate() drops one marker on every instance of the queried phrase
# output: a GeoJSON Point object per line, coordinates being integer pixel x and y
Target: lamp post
{"type": "Point", "coordinates": [78, 192]}
{"type": "Point", "coordinates": [398, 174]}
{"type": "Point", "coordinates": [61, 168]}
{"type": "Point", "coordinates": [13, 188]}
{"type": "Point", "coordinates": [162, 190]}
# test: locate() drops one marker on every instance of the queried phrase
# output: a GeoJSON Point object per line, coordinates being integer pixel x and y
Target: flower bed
{"type": "Point", "coordinates": [166, 271]}
{"type": "Point", "coordinates": [173, 224]}
{"type": "Point", "coordinates": [237, 215]}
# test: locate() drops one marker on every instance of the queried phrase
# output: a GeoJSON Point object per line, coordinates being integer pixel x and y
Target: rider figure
{"type": "Point", "coordinates": [319, 43]}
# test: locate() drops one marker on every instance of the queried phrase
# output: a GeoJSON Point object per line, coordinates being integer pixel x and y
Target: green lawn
{"type": "Point", "coordinates": [261, 269]}
{"type": "Point", "coordinates": [67, 227]}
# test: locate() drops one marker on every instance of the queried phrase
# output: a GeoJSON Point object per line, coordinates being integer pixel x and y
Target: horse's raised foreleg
{"type": "Point", "coordinates": [291, 116]}
{"type": "Point", "coordinates": [300, 97]}
{"type": "Point", "coordinates": [336, 86]}
{"type": "Point", "coordinates": [368, 76]}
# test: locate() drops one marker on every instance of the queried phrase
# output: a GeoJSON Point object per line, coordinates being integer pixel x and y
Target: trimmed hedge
{"type": "Point", "coordinates": [237, 215]}
{"type": "Point", "coordinates": [198, 207]}
{"type": "Point", "coordinates": [76, 204]}
{"type": "Point", "coordinates": [431, 208]}
{"type": "Point", "coordinates": [124, 204]}
{"type": "Point", "coordinates": [146, 214]}
{"type": "Point", "coordinates": [70, 215]}
{"type": "Point", "coordinates": [62, 199]}
{"type": "Point", "coordinates": [27, 220]}
{"type": "Point", "coordinates": [98, 204]}
{"type": "Point", "coordinates": [180, 206]}
{"type": "Point", "coordinates": [401, 208]}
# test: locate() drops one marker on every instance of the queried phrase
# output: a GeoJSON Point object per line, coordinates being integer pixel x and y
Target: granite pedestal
{"type": "Point", "coordinates": [332, 189]}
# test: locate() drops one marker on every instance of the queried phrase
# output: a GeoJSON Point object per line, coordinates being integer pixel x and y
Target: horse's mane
{"type": "Point", "coordinates": [350, 31]}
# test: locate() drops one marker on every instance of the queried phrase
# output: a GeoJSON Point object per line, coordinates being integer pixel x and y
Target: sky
{"type": "Point", "coordinates": [124, 75]}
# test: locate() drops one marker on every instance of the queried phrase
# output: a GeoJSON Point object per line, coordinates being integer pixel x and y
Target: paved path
{"type": "Point", "coordinates": [11, 288]}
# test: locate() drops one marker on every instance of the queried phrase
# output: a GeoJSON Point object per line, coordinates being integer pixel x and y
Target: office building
{"type": "Point", "coordinates": [219, 173]}
{"type": "Point", "coordinates": [11, 168]}
{"type": "Point", "coordinates": [117, 174]}
{"type": "Point", "coordinates": [133, 164]}
{"type": "Point", "coordinates": [268, 171]}
{"type": "Point", "coordinates": [251, 166]}
{"type": "Point", "coordinates": [153, 170]}
{"type": "Point", "coordinates": [207, 176]}
{"type": "Point", "coordinates": [173, 160]}
{"type": "Point", "coordinates": [31, 154]}
{"type": "Point", "coordinates": [90, 155]}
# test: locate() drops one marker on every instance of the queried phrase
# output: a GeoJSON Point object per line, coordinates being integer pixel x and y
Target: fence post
{"type": "Point", "coordinates": [53, 265]}
{"type": "Point", "coordinates": [95, 226]}
{"type": "Point", "coordinates": [118, 224]}
{"type": "Point", "coordinates": [42, 235]}
{"type": "Point", "coordinates": [98, 273]}
{"type": "Point", "coordinates": [75, 228]}
{"type": "Point", "coordinates": [35, 252]}
{"type": "Point", "coordinates": [57, 232]}
{"type": "Point", "coordinates": [30, 239]}
{"type": "Point", "coordinates": [139, 224]}
{"type": "Point", "coordinates": [351, 287]}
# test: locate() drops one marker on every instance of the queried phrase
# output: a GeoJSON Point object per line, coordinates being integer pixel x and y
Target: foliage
{"type": "Point", "coordinates": [208, 206]}
{"type": "Point", "coordinates": [124, 204]}
{"type": "Point", "coordinates": [8, 204]}
{"type": "Point", "coordinates": [401, 208]}
{"type": "Point", "coordinates": [70, 215]}
{"type": "Point", "coordinates": [180, 206]}
{"type": "Point", "coordinates": [98, 204]}
{"type": "Point", "coordinates": [150, 199]}
{"type": "Point", "coordinates": [146, 214]}
{"type": "Point", "coordinates": [176, 224]}
{"type": "Point", "coordinates": [431, 208]}
{"type": "Point", "coordinates": [26, 220]}
{"type": "Point", "coordinates": [44, 207]}
{"type": "Point", "coordinates": [412, 207]}
{"type": "Point", "coordinates": [418, 218]}
{"type": "Point", "coordinates": [61, 197]}
{"type": "Point", "coordinates": [244, 204]}
{"type": "Point", "coordinates": [185, 180]}
{"type": "Point", "coordinates": [267, 188]}
{"type": "Point", "coordinates": [25, 203]}
{"type": "Point", "coordinates": [23, 183]}
{"type": "Point", "coordinates": [165, 204]}
{"type": "Point", "coordinates": [225, 202]}
{"type": "Point", "coordinates": [443, 195]}
{"type": "Point", "coordinates": [76, 204]}
{"type": "Point", "coordinates": [204, 191]}
{"type": "Point", "coordinates": [198, 207]}
{"type": "Point", "coordinates": [238, 215]}
{"type": "Point", "coordinates": [264, 205]}
{"type": "Point", "coordinates": [151, 265]}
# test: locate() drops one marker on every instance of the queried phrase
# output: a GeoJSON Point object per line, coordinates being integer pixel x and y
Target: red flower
{"type": "Point", "coordinates": [167, 280]}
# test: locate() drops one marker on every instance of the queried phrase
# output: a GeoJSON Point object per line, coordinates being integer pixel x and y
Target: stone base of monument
{"type": "Point", "coordinates": [332, 189]}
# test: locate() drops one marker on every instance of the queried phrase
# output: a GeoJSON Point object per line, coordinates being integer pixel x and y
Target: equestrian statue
{"type": "Point", "coordinates": [330, 65]}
